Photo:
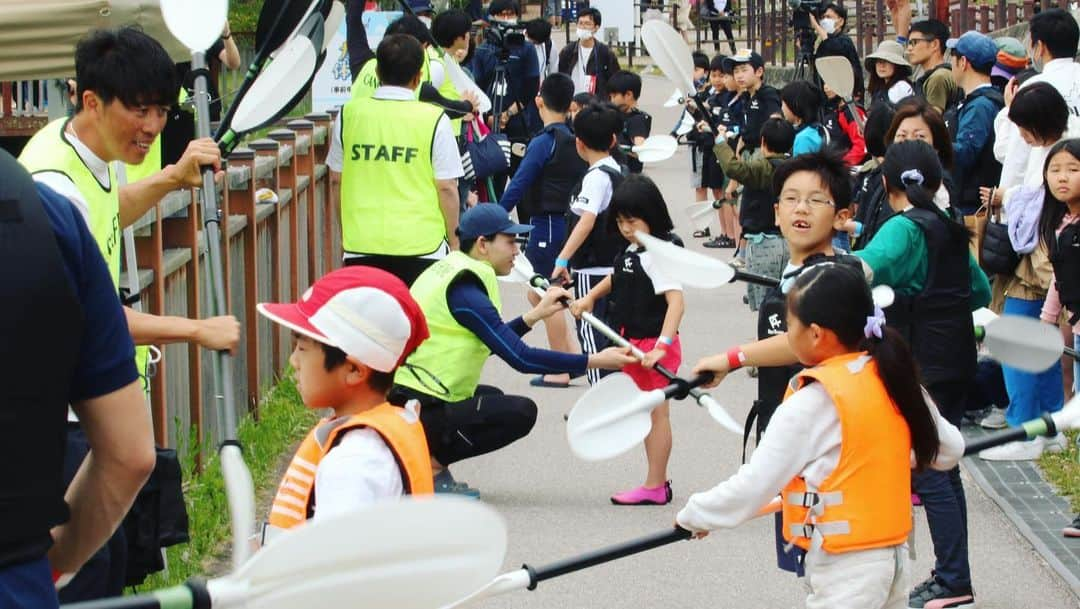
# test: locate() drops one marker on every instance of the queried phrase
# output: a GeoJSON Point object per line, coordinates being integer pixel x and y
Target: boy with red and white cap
{"type": "Point", "coordinates": [353, 328]}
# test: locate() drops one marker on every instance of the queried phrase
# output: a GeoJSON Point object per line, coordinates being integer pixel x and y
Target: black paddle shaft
{"type": "Point", "coordinates": [539, 281]}
{"type": "Point", "coordinates": [764, 280]}
{"type": "Point", "coordinates": [1005, 436]}
{"type": "Point", "coordinates": [603, 555]}
{"type": "Point", "coordinates": [196, 588]}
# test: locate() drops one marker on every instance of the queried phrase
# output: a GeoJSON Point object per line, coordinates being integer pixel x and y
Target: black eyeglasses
{"type": "Point", "coordinates": [914, 41]}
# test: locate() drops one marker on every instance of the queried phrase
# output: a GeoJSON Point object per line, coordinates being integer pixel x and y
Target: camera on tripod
{"type": "Point", "coordinates": [801, 11]}
{"type": "Point", "coordinates": [506, 36]}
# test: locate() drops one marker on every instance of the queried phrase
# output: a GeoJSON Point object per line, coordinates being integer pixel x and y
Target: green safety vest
{"type": "Point", "coordinates": [389, 202]}
{"type": "Point", "coordinates": [48, 150]}
{"type": "Point", "coordinates": [452, 353]}
{"type": "Point", "coordinates": [368, 79]}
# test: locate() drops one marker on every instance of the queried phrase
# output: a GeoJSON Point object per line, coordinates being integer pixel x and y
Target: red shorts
{"type": "Point", "coordinates": [648, 379]}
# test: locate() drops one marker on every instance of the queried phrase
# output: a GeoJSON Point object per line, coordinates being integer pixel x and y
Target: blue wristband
{"type": "Point", "coordinates": [665, 340]}
{"type": "Point", "coordinates": [562, 263]}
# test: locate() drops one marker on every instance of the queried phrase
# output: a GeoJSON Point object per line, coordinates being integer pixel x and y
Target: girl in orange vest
{"type": "Point", "coordinates": [841, 448]}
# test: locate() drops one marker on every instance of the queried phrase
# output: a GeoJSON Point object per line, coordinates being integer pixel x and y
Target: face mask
{"type": "Point", "coordinates": [426, 21]}
{"type": "Point", "coordinates": [508, 20]}
{"type": "Point", "coordinates": [829, 25]}
{"type": "Point", "coordinates": [584, 34]}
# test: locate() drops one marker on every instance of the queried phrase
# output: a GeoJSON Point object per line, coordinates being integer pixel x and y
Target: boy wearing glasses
{"type": "Point", "coordinates": [766, 253]}
{"type": "Point", "coordinates": [926, 50]}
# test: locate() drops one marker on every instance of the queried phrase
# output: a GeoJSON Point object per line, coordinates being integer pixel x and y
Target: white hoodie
{"type": "Point", "coordinates": [1009, 147]}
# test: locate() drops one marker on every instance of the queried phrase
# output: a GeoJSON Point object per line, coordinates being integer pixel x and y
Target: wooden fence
{"type": "Point", "coordinates": [271, 252]}
{"type": "Point", "coordinates": [765, 25]}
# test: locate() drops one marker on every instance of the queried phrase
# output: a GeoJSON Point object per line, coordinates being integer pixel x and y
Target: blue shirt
{"type": "Point", "coordinates": [472, 308]}
{"type": "Point", "coordinates": [807, 140]}
{"type": "Point", "coordinates": [539, 152]}
{"type": "Point", "coordinates": [106, 353]}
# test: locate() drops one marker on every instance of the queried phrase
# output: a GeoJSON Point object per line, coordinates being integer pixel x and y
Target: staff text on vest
{"type": "Point", "coordinates": [392, 154]}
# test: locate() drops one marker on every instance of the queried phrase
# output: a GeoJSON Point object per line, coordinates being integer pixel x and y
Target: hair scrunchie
{"type": "Point", "coordinates": [874, 324]}
{"type": "Point", "coordinates": [912, 176]}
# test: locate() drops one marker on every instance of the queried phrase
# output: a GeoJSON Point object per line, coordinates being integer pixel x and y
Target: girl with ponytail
{"type": "Point", "coordinates": [848, 508]}
{"type": "Point", "coordinates": [923, 255]}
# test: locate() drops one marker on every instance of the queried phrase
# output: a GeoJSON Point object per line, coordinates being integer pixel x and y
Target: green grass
{"type": "Point", "coordinates": [283, 421]}
{"type": "Point", "coordinates": [1063, 471]}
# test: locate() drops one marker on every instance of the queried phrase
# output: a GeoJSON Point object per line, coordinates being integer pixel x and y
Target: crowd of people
{"type": "Point", "coordinates": [828, 197]}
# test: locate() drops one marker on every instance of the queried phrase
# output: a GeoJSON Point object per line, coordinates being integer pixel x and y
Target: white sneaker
{"type": "Point", "coordinates": [1014, 451]}
{"type": "Point", "coordinates": [1056, 443]}
{"type": "Point", "coordinates": [994, 420]}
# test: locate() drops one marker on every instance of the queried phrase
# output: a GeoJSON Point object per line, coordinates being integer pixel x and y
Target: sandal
{"type": "Point", "coordinates": [700, 234]}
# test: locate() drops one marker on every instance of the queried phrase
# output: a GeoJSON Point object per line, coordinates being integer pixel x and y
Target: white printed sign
{"type": "Point", "coordinates": [332, 86]}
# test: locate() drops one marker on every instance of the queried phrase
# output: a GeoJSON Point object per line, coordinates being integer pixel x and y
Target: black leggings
{"type": "Point", "coordinates": [715, 25]}
{"type": "Point", "coordinates": [486, 422]}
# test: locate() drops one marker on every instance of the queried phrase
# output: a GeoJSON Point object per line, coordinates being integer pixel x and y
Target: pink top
{"type": "Point", "coordinates": [1051, 309]}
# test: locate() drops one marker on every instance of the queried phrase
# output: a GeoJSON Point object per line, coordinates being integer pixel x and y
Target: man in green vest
{"type": "Point", "coordinates": [399, 167]}
{"type": "Point", "coordinates": [460, 299]}
{"type": "Point", "coordinates": [125, 84]}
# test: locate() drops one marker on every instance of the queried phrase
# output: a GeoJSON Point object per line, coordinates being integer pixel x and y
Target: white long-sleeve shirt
{"type": "Point", "coordinates": [1009, 148]}
{"type": "Point", "coordinates": [803, 439]}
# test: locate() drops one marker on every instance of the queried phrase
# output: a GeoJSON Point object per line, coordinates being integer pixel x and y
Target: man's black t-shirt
{"type": "Point", "coordinates": [636, 123]}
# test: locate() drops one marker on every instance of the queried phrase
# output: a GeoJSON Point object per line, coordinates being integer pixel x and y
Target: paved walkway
{"type": "Point", "coordinates": [557, 506]}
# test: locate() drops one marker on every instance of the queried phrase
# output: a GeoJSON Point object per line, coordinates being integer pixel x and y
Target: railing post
{"type": "Point", "coordinates": [269, 148]}
{"type": "Point", "coordinates": [242, 201]}
{"type": "Point", "coordinates": [304, 160]}
{"type": "Point", "coordinates": [182, 231]}
{"type": "Point", "coordinates": [287, 179]}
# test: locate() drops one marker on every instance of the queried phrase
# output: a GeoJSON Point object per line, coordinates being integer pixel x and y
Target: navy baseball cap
{"type": "Point", "coordinates": [977, 48]}
{"type": "Point", "coordinates": [488, 219]}
{"type": "Point", "coordinates": [744, 56]}
{"type": "Point", "coordinates": [421, 6]}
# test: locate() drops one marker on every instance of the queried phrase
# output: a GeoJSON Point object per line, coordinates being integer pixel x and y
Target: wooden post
{"type": "Point", "coordinates": [242, 201]}
{"type": "Point", "coordinates": [183, 232]}
{"type": "Point", "coordinates": [269, 148]}
{"type": "Point", "coordinates": [287, 179]}
{"type": "Point", "coordinates": [304, 161]}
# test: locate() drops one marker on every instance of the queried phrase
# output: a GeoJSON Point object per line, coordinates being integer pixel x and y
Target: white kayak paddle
{"type": "Point", "coordinates": [417, 553]}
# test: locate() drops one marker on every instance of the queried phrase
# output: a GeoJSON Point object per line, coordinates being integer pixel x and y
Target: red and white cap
{"type": "Point", "coordinates": [366, 312]}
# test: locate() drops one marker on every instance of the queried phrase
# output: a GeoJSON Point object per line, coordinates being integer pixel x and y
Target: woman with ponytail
{"type": "Point", "coordinates": [848, 509]}
{"type": "Point", "coordinates": [923, 255]}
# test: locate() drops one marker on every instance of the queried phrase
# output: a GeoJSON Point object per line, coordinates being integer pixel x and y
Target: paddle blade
{"type": "Point", "coordinates": [836, 72]}
{"type": "Point", "coordinates": [314, 29]}
{"type": "Point", "coordinates": [411, 554]}
{"type": "Point", "coordinates": [685, 266]}
{"type": "Point", "coordinates": [333, 22]}
{"type": "Point", "coordinates": [669, 51]}
{"type": "Point", "coordinates": [611, 418]}
{"type": "Point", "coordinates": [656, 148]}
{"type": "Point", "coordinates": [883, 296]}
{"type": "Point", "coordinates": [464, 83]}
{"type": "Point", "coordinates": [686, 124]}
{"type": "Point", "coordinates": [701, 214]}
{"type": "Point", "coordinates": [1024, 342]}
{"type": "Point", "coordinates": [195, 23]}
{"type": "Point", "coordinates": [719, 414]}
{"type": "Point", "coordinates": [240, 492]}
{"type": "Point", "coordinates": [521, 272]}
{"type": "Point", "coordinates": [675, 100]}
{"type": "Point", "coordinates": [278, 84]}
{"type": "Point", "coordinates": [1069, 416]}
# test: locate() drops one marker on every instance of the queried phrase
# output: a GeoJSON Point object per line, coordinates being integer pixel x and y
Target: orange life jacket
{"type": "Point", "coordinates": [399, 427]}
{"type": "Point", "coordinates": [866, 501]}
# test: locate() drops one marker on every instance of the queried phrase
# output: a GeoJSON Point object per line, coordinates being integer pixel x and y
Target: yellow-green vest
{"type": "Point", "coordinates": [48, 150]}
{"type": "Point", "coordinates": [453, 354]}
{"type": "Point", "coordinates": [368, 79]}
{"type": "Point", "coordinates": [389, 202]}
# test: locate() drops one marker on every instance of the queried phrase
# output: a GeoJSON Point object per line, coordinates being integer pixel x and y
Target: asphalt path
{"type": "Point", "coordinates": [557, 506]}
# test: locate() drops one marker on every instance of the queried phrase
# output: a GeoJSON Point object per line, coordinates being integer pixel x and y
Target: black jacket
{"type": "Point", "coordinates": [840, 44]}
{"type": "Point", "coordinates": [602, 63]}
{"type": "Point", "coordinates": [756, 110]}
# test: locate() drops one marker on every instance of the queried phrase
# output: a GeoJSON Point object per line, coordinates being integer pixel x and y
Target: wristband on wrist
{"type": "Point", "coordinates": [562, 263]}
{"type": "Point", "coordinates": [665, 340]}
{"type": "Point", "coordinates": [736, 358]}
